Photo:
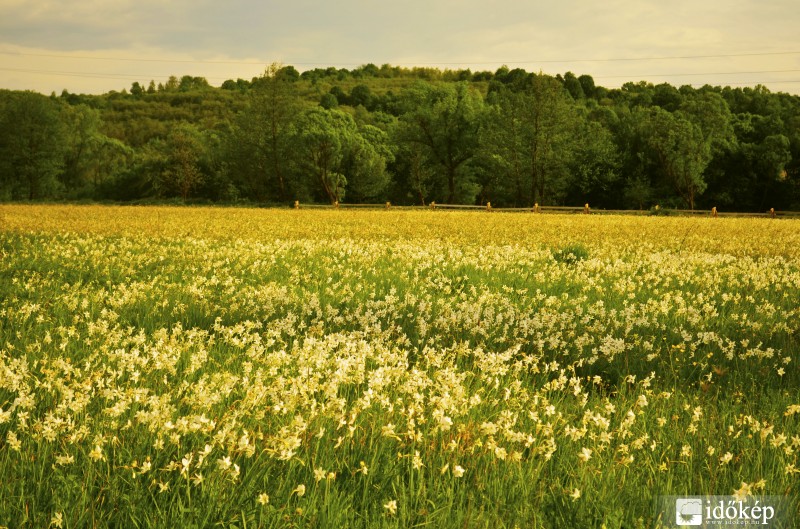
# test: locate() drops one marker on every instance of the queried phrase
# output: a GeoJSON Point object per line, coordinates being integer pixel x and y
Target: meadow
{"type": "Point", "coordinates": [232, 367]}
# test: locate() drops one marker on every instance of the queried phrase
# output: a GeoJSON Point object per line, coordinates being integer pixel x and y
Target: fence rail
{"type": "Point", "coordinates": [585, 209]}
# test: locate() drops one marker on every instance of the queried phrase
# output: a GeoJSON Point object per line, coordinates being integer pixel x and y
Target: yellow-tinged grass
{"type": "Point", "coordinates": [165, 367]}
{"type": "Point", "coordinates": [734, 236]}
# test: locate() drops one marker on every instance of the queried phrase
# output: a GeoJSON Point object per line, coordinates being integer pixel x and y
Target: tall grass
{"type": "Point", "coordinates": [246, 368]}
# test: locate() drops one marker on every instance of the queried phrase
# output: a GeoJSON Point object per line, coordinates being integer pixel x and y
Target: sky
{"type": "Point", "coordinates": [95, 46]}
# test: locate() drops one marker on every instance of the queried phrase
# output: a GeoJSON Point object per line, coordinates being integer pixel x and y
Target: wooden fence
{"type": "Point", "coordinates": [585, 209]}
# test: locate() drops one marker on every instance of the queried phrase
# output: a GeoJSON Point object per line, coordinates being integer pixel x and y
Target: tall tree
{"type": "Point", "coordinates": [32, 145]}
{"type": "Point", "coordinates": [110, 159]}
{"type": "Point", "coordinates": [573, 85]}
{"type": "Point", "coordinates": [503, 150]}
{"type": "Point", "coordinates": [753, 176]}
{"type": "Point", "coordinates": [711, 113]}
{"type": "Point", "coordinates": [443, 120]}
{"type": "Point", "coordinates": [259, 147]}
{"type": "Point", "coordinates": [550, 123]}
{"type": "Point", "coordinates": [181, 173]}
{"type": "Point", "coordinates": [365, 165]}
{"type": "Point", "coordinates": [532, 137]}
{"type": "Point", "coordinates": [321, 148]}
{"type": "Point", "coordinates": [680, 149]}
{"type": "Point", "coordinates": [587, 85]}
{"type": "Point", "coordinates": [594, 166]}
{"type": "Point", "coordinates": [86, 149]}
{"type": "Point", "coordinates": [330, 148]}
{"type": "Point", "coordinates": [420, 173]}
{"type": "Point", "coordinates": [638, 168]}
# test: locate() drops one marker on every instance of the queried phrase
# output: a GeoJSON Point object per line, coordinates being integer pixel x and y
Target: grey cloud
{"type": "Point", "coordinates": [467, 32]}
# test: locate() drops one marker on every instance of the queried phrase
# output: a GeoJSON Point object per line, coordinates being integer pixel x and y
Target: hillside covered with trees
{"type": "Point", "coordinates": [409, 136]}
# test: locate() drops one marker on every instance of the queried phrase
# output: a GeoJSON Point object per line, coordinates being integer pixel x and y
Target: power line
{"type": "Point", "coordinates": [305, 63]}
{"type": "Point", "coordinates": [615, 59]}
{"type": "Point", "coordinates": [694, 73]}
{"type": "Point", "coordinates": [95, 75]}
{"type": "Point", "coordinates": [682, 57]}
{"type": "Point", "coordinates": [125, 59]}
{"type": "Point", "coordinates": [751, 83]}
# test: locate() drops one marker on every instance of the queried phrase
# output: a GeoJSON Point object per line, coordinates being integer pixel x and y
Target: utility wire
{"type": "Point", "coordinates": [125, 59]}
{"type": "Point", "coordinates": [305, 63]}
{"type": "Point", "coordinates": [97, 75]}
{"type": "Point", "coordinates": [693, 73]}
{"type": "Point", "coordinates": [615, 59]}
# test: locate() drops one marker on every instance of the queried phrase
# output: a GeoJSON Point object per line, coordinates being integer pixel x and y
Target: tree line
{"type": "Point", "coordinates": [409, 136]}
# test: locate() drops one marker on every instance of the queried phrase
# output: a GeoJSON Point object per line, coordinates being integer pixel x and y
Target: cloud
{"type": "Point", "coordinates": [577, 35]}
{"type": "Point", "coordinates": [97, 24]}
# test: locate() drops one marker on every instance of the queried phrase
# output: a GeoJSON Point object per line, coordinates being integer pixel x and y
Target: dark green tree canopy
{"type": "Point", "coordinates": [443, 122]}
{"type": "Point", "coordinates": [408, 135]}
{"type": "Point", "coordinates": [33, 145]}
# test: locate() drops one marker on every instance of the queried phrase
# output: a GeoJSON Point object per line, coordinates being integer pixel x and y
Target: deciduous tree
{"type": "Point", "coordinates": [181, 173]}
{"type": "Point", "coordinates": [32, 145]}
{"type": "Point", "coordinates": [443, 120]}
{"type": "Point", "coordinates": [680, 149]}
{"type": "Point", "coordinates": [260, 151]}
{"type": "Point", "coordinates": [532, 136]}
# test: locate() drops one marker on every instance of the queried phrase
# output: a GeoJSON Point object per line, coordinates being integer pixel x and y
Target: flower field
{"type": "Point", "coordinates": [213, 367]}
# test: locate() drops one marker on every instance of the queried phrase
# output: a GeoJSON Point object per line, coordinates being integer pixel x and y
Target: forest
{"type": "Point", "coordinates": [409, 136]}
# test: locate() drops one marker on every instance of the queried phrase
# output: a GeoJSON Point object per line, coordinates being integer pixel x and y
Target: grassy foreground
{"type": "Point", "coordinates": [201, 367]}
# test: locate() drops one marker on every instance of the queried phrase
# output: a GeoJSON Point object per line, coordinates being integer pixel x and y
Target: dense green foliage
{"type": "Point", "coordinates": [409, 136]}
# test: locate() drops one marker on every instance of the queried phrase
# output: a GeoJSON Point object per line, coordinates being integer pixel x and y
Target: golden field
{"type": "Point", "coordinates": [332, 368]}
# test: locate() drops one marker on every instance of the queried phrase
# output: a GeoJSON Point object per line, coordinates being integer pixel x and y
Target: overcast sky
{"type": "Point", "coordinates": [93, 46]}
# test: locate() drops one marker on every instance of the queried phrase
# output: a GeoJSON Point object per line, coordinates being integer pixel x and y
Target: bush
{"type": "Point", "coordinates": [571, 254]}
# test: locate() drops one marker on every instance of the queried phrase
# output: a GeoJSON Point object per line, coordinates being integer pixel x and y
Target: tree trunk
{"type": "Point", "coordinates": [451, 185]}
{"type": "Point", "coordinates": [276, 166]}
